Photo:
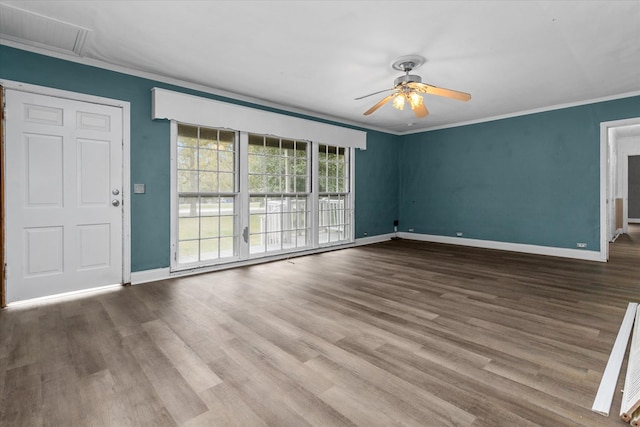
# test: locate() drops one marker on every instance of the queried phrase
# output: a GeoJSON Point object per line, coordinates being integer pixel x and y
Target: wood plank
{"type": "Point", "coordinates": [426, 334]}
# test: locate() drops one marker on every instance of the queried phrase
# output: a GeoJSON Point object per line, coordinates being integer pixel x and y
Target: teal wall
{"type": "Point", "coordinates": [377, 173]}
{"type": "Point", "coordinates": [150, 150]}
{"type": "Point", "coordinates": [532, 179]}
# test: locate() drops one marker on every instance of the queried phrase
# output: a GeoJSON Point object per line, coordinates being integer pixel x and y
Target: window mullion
{"type": "Point", "coordinates": [314, 196]}
{"type": "Point", "coordinates": [243, 194]}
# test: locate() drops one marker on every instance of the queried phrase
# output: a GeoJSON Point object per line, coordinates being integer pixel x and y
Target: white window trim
{"type": "Point", "coordinates": [185, 108]}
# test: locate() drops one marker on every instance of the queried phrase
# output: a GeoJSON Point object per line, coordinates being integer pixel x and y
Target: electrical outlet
{"type": "Point", "coordinates": [459, 233]}
{"type": "Point", "coordinates": [411, 230]}
{"type": "Point", "coordinates": [139, 188]}
{"type": "Point", "coordinates": [365, 234]}
{"type": "Point", "coordinates": [581, 245]}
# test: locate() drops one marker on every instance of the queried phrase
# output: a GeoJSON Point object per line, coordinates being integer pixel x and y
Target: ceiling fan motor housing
{"type": "Point", "coordinates": [409, 78]}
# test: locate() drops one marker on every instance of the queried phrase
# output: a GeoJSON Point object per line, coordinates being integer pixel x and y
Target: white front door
{"type": "Point", "coordinates": [63, 195]}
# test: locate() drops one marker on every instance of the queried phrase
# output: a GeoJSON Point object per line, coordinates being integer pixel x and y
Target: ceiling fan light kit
{"type": "Point", "coordinates": [408, 88]}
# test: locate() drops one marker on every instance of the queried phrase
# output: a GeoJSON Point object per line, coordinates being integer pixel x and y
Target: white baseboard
{"type": "Point", "coordinates": [505, 246]}
{"type": "Point", "coordinates": [154, 275]}
{"type": "Point", "coordinates": [145, 276]}
{"type": "Point", "coordinates": [634, 220]}
{"type": "Point", "coordinates": [374, 239]}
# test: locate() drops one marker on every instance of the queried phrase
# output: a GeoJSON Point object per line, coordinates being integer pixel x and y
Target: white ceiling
{"type": "Point", "coordinates": [317, 56]}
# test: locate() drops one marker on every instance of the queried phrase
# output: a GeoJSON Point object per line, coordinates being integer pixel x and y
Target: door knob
{"type": "Point", "coordinates": [115, 202]}
{"type": "Point", "coordinates": [115, 192]}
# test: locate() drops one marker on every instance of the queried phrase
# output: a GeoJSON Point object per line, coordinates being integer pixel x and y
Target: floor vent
{"type": "Point", "coordinates": [22, 26]}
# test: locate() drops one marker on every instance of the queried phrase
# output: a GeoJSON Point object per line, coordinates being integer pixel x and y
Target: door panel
{"type": "Point", "coordinates": [63, 195]}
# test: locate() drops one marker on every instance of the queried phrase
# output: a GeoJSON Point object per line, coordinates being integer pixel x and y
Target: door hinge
{"type": "Point", "coordinates": [5, 271]}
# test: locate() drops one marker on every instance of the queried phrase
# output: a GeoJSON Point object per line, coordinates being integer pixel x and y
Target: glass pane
{"type": "Point", "coordinates": [187, 181]}
{"type": "Point", "coordinates": [256, 144]}
{"type": "Point", "coordinates": [227, 247]}
{"type": "Point", "coordinates": [302, 238]}
{"type": "Point", "coordinates": [227, 183]}
{"type": "Point", "coordinates": [227, 161]}
{"type": "Point", "coordinates": [273, 241]}
{"type": "Point", "coordinates": [301, 167]}
{"type": "Point", "coordinates": [209, 226]}
{"type": "Point", "coordinates": [209, 206]}
{"type": "Point", "coordinates": [208, 182]}
{"type": "Point", "coordinates": [322, 153]}
{"type": "Point", "coordinates": [209, 138]}
{"type": "Point", "coordinates": [257, 243]}
{"type": "Point", "coordinates": [226, 226]}
{"type": "Point", "coordinates": [288, 147]}
{"type": "Point", "coordinates": [187, 136]}
{"type": "Point", "coordinates": [209, 249]}
{"type": "Point", "coordinates": [257, 223]}
{"type": "Point", "coordinates": [273, 184]}
{"type": "Point", "coordinates": [258, 205]}
{"type": "Point", "coordinates": [341, 170]}
{"type": "Point", "coordinates": [257, 164]}
{"type": "Point", "coordinates": [188, 251]}
{"type": "Point", "coordinates": [188, 228]}
{"type": "Point", "coordinates": [301, 149]}
{"type": "Point", "coordinates": [187, 206]}
{"type": "Point", "coordinates": [187, 158]}
{"type": "Point", "coordinates": [272, 165]}
{"type": "Point", "coordinates": [208, 160]}
{"type": "Point", "coordinates": [227, 139]}
{"type": "Point", "coordinates": [272, 146]}
{"type": "Point", "coordinates": [257, 183]}
{"type": "Point", "coordinates": [289, 184]}
{"type": "Point", "coordinates": [301, 184]}
{"type": "Point", "coordinates": [332, 185]}
{"type": "Point", "coordinates": [322, 184]}
{"type": "Point", "coordinates": [227, 206]}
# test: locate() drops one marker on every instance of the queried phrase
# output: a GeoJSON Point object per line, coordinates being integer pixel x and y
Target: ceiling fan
{"type": "Point", "coordinates": [408, 89]}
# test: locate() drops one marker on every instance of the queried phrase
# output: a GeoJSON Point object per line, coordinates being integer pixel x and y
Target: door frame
{"type": "Point", "coordinates": [607, 138]}
{"type": "Point", "coordinates": [126, 168]}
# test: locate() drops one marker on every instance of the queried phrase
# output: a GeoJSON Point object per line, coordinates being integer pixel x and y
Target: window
{"type": "Point", "coordinates": [240, 195]}
{"type": "Point", "coordinates": [207, 195]}
{"type": "Point", "coordinates": [278, 176]}
{"type": "Point", "coordinates": [334, 201]}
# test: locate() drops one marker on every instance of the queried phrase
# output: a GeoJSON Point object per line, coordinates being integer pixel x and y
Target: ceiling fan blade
{"type": "Point", "coordinates": [374, 93]}
{"type": "Point", "coordinates": [440, 91]}
{"type": "Point", "coordinates": [380, 104]}
{"type": "Point", "coordinates": [420, 110]}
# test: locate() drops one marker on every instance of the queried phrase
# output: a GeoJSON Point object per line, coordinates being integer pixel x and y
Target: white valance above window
{"type": "Point", "coordinates": [191, 109]}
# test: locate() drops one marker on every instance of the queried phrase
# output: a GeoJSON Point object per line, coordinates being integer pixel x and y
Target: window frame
{"type": "Point", "coordinates": [242, 217]}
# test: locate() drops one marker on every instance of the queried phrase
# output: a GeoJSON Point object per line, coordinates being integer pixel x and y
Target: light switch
{"type": "Point", "coordinates": [138, 188]}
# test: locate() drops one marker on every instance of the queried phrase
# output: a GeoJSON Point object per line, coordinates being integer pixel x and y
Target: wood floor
{"type": "Point", "coordinates": [396, 333]}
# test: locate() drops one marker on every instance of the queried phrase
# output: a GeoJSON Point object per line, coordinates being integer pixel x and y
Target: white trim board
{"type": "Point", "coordinates": [167, 104]}
{"type": "Point", "coordinates": [374, 239]}
{"type": "Point", "coordinates": [606, 129]}
{"type": "Point", "coordinates": [145, 276]}
{"type": "Point", "coordinates": [506, 246]}
{"type": "Point", "coordinates": [604, 396]}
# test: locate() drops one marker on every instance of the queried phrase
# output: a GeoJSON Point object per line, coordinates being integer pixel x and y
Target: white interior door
{"type": "Point", "coordinates": [63, 195]}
